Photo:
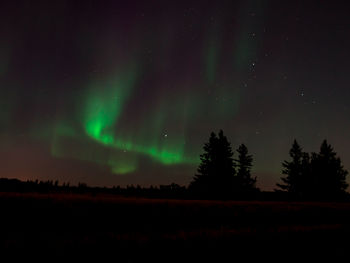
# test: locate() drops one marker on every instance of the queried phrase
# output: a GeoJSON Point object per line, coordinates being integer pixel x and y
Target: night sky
{"type": "Point", "coordinates": [127, 92]}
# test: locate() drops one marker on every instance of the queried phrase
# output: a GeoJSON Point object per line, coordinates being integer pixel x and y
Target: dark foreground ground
{"type": "Point", "coordinates": [63, 227]}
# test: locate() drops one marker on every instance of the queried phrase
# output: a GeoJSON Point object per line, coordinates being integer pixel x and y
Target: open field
{"type": "Point", "coordinates": [57, 226]}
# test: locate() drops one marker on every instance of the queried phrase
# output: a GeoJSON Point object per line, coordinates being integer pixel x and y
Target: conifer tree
{"type": "Point", "coordinates": [321, 176]}
{"type": "Point", "coordinates": [215, 174]}
{"type": "Point", "coordinates": [244, 164]}
{"type": "Point", "coordinates": [328, 173]}
{"type": "Point", "coordinates": [294, 170]}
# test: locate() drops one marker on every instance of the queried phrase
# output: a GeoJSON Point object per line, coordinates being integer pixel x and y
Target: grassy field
{"type": "Point", "coordinates": [60, 226]}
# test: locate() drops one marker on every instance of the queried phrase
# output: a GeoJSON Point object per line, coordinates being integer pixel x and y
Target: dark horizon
{"type": "Point", "coordinates": [127, 92]}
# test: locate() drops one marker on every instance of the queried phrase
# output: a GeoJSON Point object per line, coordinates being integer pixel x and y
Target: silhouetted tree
{"type": "Point", "coordinates": [321, 176]}
{"type": "Point", "coordinates": [328, 173]}
{"type": "Point", "coordinates": [216, 171]}
{"type": "Point", "coordinates": [244, 164]}
{"type": "Point", "coordinates": [305, 183]}
{"type": "Point", "coordinates": [295, 171]}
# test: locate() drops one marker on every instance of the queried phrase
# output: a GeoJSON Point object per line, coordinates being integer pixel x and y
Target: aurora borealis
{"type": "Point", "coordinates": [127, 92]}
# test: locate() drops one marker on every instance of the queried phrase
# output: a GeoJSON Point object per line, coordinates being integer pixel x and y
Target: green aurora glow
{"type": "Point", "coordinates": [135, 89]}
{"type": "Point", "coordinates": [103, 132]}
{"type": "Point", "coordinates": [105, 105]}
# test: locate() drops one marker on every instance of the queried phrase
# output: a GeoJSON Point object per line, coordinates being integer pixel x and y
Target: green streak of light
{"type": "Point", "coordinates": [212, 49]}
{"type": "Point", "coordinates": [151, 138]}
{"type": "Point", "coordinates": [119, 162]}
{"type": "Point", "coordinates": [249, 36]}
{"type": "Point", "coordinates": [211, 62]}
{"type": "Point", "coordinates": [123, 169]}
{"type": "Point", "coordinates": [123, 165]}
{"type": "Point", "coordinates": [166, 154]}
{"type": "Point", "coordinates": [104, 105]}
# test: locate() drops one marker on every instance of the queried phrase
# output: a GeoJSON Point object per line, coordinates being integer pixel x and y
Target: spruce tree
{"type": "Point", "coordinates": [321, 176]}
{"type": "Point", "coordinates": [294, 171]}
{"type": "Point", "coordinates": [305, 182]}
{"type": "Point", "coordinates": [215, 174]}
{"type": "Point", "coordinates": [328, 173]}
{"type": "Point", "coordinates": [244, 164]}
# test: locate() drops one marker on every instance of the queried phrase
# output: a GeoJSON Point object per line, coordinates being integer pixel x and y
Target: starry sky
{"type": "Point", "coordinates": [126, 92]}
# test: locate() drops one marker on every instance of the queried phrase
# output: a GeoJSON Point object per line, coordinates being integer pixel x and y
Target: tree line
{"type": "Point", "coordinates": [161, 191]}
{"type": "Point", "coordinates": [314, 176]}
{"type": "Point", "coordinates": [306, 176]}
{"type": "Point", "coordinates": [226, 174]}
{"type": "Point", "coordinates": [219, 174]}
